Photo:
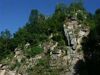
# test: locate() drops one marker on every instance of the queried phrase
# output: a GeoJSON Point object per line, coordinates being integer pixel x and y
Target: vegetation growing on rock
{"type": "Point", "coordinates": [40, 47]}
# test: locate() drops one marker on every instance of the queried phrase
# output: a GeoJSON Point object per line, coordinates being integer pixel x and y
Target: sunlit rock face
{"type": "Point", "coordinates": [8, 72]}
{"type": "Point", "coordinates": [74, 33]}
{"type": "Point", "coordinates": [59, 57]}
{"type": "Point", "coordinates": [18, 55]}
{"type": "Point", "coordinates": [67, 56]}
{"type": "Point", "coordinates": [5, 71]}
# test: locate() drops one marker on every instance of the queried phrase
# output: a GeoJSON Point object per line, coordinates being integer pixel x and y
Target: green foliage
{"type": "Point", "coordinates": [5, 43]}
{"type": "Point", "coordinates": [31, 52]}
{"type": "Point", "coordinates": [80, 16]}
{"type": "Point", "coordinates": [55, 22]}
{"type": "Point", "coordinates": [59, 38]}
{"type": "Point", "coordinates": [13, 66]}
{"type": "Point", "coordinates": [5, 34]}
{"type": "Point", "coordinates": [43, 68]}
{"type": "Point", "coordinates": [39, 28]}
{"type": "Point", "coordinates": [32, 32]}
{"type": "Point", "coordinates": [97, 20]}
{"type": "Point", "coordinates": [77, 5]}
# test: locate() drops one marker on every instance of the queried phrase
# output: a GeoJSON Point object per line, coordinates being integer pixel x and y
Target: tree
{"type": "Point", "coordinates": [5, 34]}
{"type": "Point", "coordinates": [33, 31]}
{"type": "Point", "coordinates": [97, 20]}
{"type": "Point", "coordinates": [5, 43]}
{"type": "Point", "coordinates": [33, 16]}
{"type": "Point", "coordinates": [55, 22]}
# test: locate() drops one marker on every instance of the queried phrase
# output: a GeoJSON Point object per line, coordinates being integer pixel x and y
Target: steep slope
{"type": "Point", "coordinates": [59, 54]}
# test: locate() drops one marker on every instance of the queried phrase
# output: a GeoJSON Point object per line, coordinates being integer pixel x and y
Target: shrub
{"type": "Point", "coordinates": [31, 52]}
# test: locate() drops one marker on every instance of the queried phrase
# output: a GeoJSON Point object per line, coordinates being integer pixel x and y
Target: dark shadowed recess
{"type": "Point", "coordinates": [91, 49]}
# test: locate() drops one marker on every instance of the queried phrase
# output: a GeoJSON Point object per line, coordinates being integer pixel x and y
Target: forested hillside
{"type": "Point", "coordinates": [42, 36]}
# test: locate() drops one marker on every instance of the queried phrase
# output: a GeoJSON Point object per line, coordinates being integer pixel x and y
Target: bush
{"type": "Point", "coordinates": [13, 66]}
{"type": "Point", "coordinates": [31, 52]}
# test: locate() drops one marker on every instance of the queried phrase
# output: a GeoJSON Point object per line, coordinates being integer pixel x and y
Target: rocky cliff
{"type": "Point", "coordinates": [55, 59]}
{"type": "Point", "coordinates": [75, 32]}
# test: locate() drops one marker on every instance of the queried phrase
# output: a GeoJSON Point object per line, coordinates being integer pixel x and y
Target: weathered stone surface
{"type": "Point", "coordinates": [74, 31]}
{"type": "Point", "coordinates": [74, 34]}
{"type": "Point", "coordinates": [27, 45]}
{"type": "Point", "coordinates": [18, 54]}
{"type": "Point", "coordinates": [61, 58]}
{"type": "Point", "coordinates": [8, 72]}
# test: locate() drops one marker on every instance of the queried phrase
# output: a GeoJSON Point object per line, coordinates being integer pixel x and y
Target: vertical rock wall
{"type": "Point", "coordinates": [74, 33]}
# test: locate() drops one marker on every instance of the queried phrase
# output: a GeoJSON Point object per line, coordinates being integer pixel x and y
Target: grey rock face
{"type": "Point", "coordinates": [18, 54]}
{"type": "Point", "coordinates": [70, 34]}
{"type": "Point", "coordinates": [74, 34]}
{"type": "Point", "coordinates": [63, 58]}
{"type": "Point", "coordinates": [8, 72]}
{"type": "Point", "coordinates": [59, 59]}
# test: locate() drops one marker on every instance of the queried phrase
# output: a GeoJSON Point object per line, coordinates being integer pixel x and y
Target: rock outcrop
{"type": "Point", "coordinates": [60, 57]}
{"type": "Point", "coordinates": [74, 33]}
{"type": "Point", "coordinates": [19, 64]}
{"type": "Point", "coordinates": [66, 57]}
